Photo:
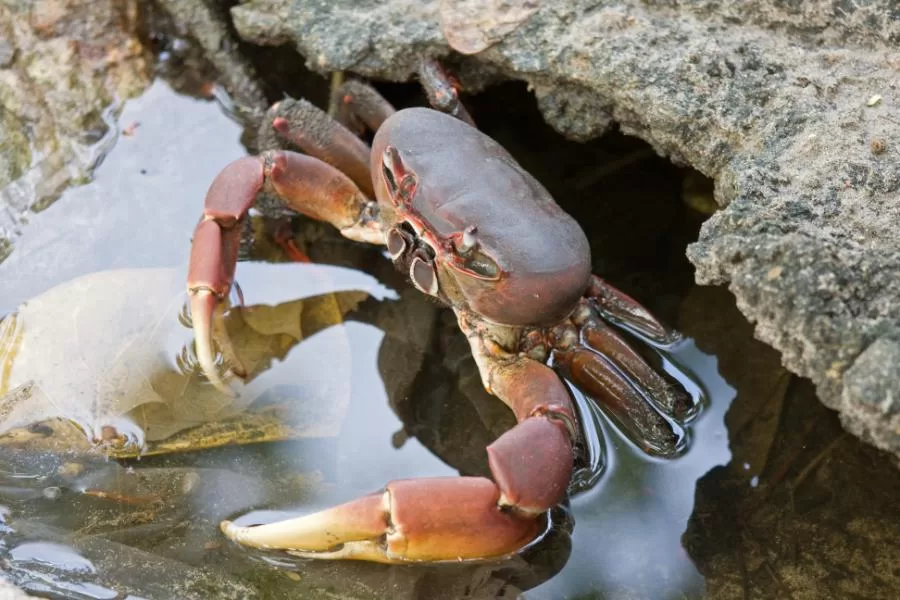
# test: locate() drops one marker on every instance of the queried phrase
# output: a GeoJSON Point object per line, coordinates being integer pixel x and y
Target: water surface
{"type": "Point", "coordinates": [391, 383]}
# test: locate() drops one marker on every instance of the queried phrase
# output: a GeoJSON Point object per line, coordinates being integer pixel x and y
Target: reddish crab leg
{"type": "Point", "coordinates": [624, 309]}
{"type": "Point", "coordinates": [442, 94]}
{"type": "Point", "coordinates": [305, 184]}
{"type": "Point", "coordinates": [669, 395]}
{"type": "Point", "coordinates": [606, 384]}
{"type": "Point", "coordinates": [453, 518]}
{"type": "Point", "coordinates": [320, 136]}
{"type": "Point", "coordinates": [360, 106]}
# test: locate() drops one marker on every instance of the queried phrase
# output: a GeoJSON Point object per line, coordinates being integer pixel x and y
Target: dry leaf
{"type": "Point", "coordinates": [109, 349]}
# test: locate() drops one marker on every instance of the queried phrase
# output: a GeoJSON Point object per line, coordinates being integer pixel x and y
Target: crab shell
{"type": "Point", "coordinates": [502, 246]}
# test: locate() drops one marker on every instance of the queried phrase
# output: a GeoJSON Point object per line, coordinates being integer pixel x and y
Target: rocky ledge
{"type": "Point", "coordinates": [791, 108]}
{"type": "Point", "coordinates": [65, 65]}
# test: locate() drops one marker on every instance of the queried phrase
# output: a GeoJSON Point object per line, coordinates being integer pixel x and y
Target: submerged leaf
{"type": "Point", "coordinates": [110, 353]}
{"type": "Point", "coordinates": [83, 346]}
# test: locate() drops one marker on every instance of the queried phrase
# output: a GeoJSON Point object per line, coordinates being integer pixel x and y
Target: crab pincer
{"type": "Point", "coordinates": [447, 518]}
{"type": "Point", "coordinates": [305, 184]}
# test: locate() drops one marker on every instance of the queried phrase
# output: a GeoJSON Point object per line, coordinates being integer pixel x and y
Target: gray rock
{"type": "Point", "coordinates": [64, 66]}
{"type": "Point", "coordinates": [871, 404]}
{"type": "Point", "coordinates": [9, 592]}
{"type": "Point", "coordinates": [789, 107]}
{"type": "Point", "coordinates": [202, 22]}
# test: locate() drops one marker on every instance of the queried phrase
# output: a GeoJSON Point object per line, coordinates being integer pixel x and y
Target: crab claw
{"type": "Point", "coordinates": [306, 185]}
{"type": "Point", "coordinates": [453, 518]}
{"type": "Point", "coordinates": [438, 519]}
{"type": "Point", "coordinates": [203, 305]}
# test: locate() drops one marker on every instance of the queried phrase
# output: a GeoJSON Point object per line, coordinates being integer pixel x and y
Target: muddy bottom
{"type": "Point", "coordinates": [363, 380]}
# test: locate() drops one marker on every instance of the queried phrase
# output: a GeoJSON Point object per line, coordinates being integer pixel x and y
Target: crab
{"type": "Point", "coordinates": [474, 230]}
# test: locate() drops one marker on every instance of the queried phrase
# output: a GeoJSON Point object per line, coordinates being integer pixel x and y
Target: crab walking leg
{"type": "Point", "coordinates": [441, 91]}
{"type": "Point", "coordinates": [453, 518]}
{"type": "Point", "coordinates": [671, 397]}
{"type": "Point", "coordinates": [360, 106]}
{"type": "Point", "coordinates": [600, 379]}
{"type": "Point", "coordinates": [304, 184]}
{"type": "Point", "coordinates": [317, 134]}
{"type": "Point", "coordinates": [624, 309]}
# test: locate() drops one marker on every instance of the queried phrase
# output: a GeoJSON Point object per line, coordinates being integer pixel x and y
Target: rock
{"type": "Point", "coordinates": [203, 23]}
{"type": "Point", "coordinates": [64, 65]}
{"type": "Point", "coordinates": [789, 107]}
{"type": "Point", "coordinates": [10, 592]}
{"type": "Point", "coordinates": [799, 497]}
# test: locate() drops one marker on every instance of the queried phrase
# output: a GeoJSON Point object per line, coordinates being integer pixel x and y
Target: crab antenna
{"type": "Point", "coordinates": [466, 242]}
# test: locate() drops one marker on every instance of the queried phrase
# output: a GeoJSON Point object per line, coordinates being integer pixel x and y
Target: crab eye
{"type": "Point", "coordinates": [401, 182]}
{"type": "Point", "coordinates": [481, 265]}
{"type": "Point", "coordinates": [423, 276]}
{"type": "Point", "coordinates": [390, 161]}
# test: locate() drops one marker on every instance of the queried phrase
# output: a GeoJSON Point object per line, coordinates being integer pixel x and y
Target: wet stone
{"type": "Point", "coordinates": [870, 393]}
{"type": "Point", "coordinates": [62, 65]}
{"type": "Point", "coordinates": [776, 101]}
{"type": "Point", "coordinates": [868, 380]}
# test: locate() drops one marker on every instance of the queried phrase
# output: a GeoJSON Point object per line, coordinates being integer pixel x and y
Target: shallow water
{"type": "Point", "coordinates": [84, 527]}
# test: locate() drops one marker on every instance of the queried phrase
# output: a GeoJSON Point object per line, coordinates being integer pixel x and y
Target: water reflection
{"type": "Point", "coordinates": [56, 555]}
{"type": "Point", "coordinates": [627, 536]}
{"type": "Point", "coordinates": [111, 352]}
{"type": "Point", "coordinates": [141, 206]}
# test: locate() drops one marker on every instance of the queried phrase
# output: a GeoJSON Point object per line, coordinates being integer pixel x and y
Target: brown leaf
{"type": "Point", "coordinates": [97, 351]}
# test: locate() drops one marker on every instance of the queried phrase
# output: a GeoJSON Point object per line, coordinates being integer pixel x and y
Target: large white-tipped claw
{"type": "Point", "coordinates": [272, 537]}
{"type": "Point", "coordinates": [362, 519]}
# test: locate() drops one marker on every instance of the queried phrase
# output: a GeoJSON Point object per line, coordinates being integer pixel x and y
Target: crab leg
{"type": "Point", "coordinates": [313, 131]}
{"type": "Point", "coordinates": [305, 184]}
{"type": "Point", "coordinates": [453, 518]}
{"type": "Point", "coordinates": [622, 308]}
{"type": "Point", "coordinates": [360, 106]}
{"type": "Point", "coordinates": [441, 91]}
{"type": "Point", "coordinates": [671, 397]}
{"type": "Point", "coordinates": [603, 381]}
